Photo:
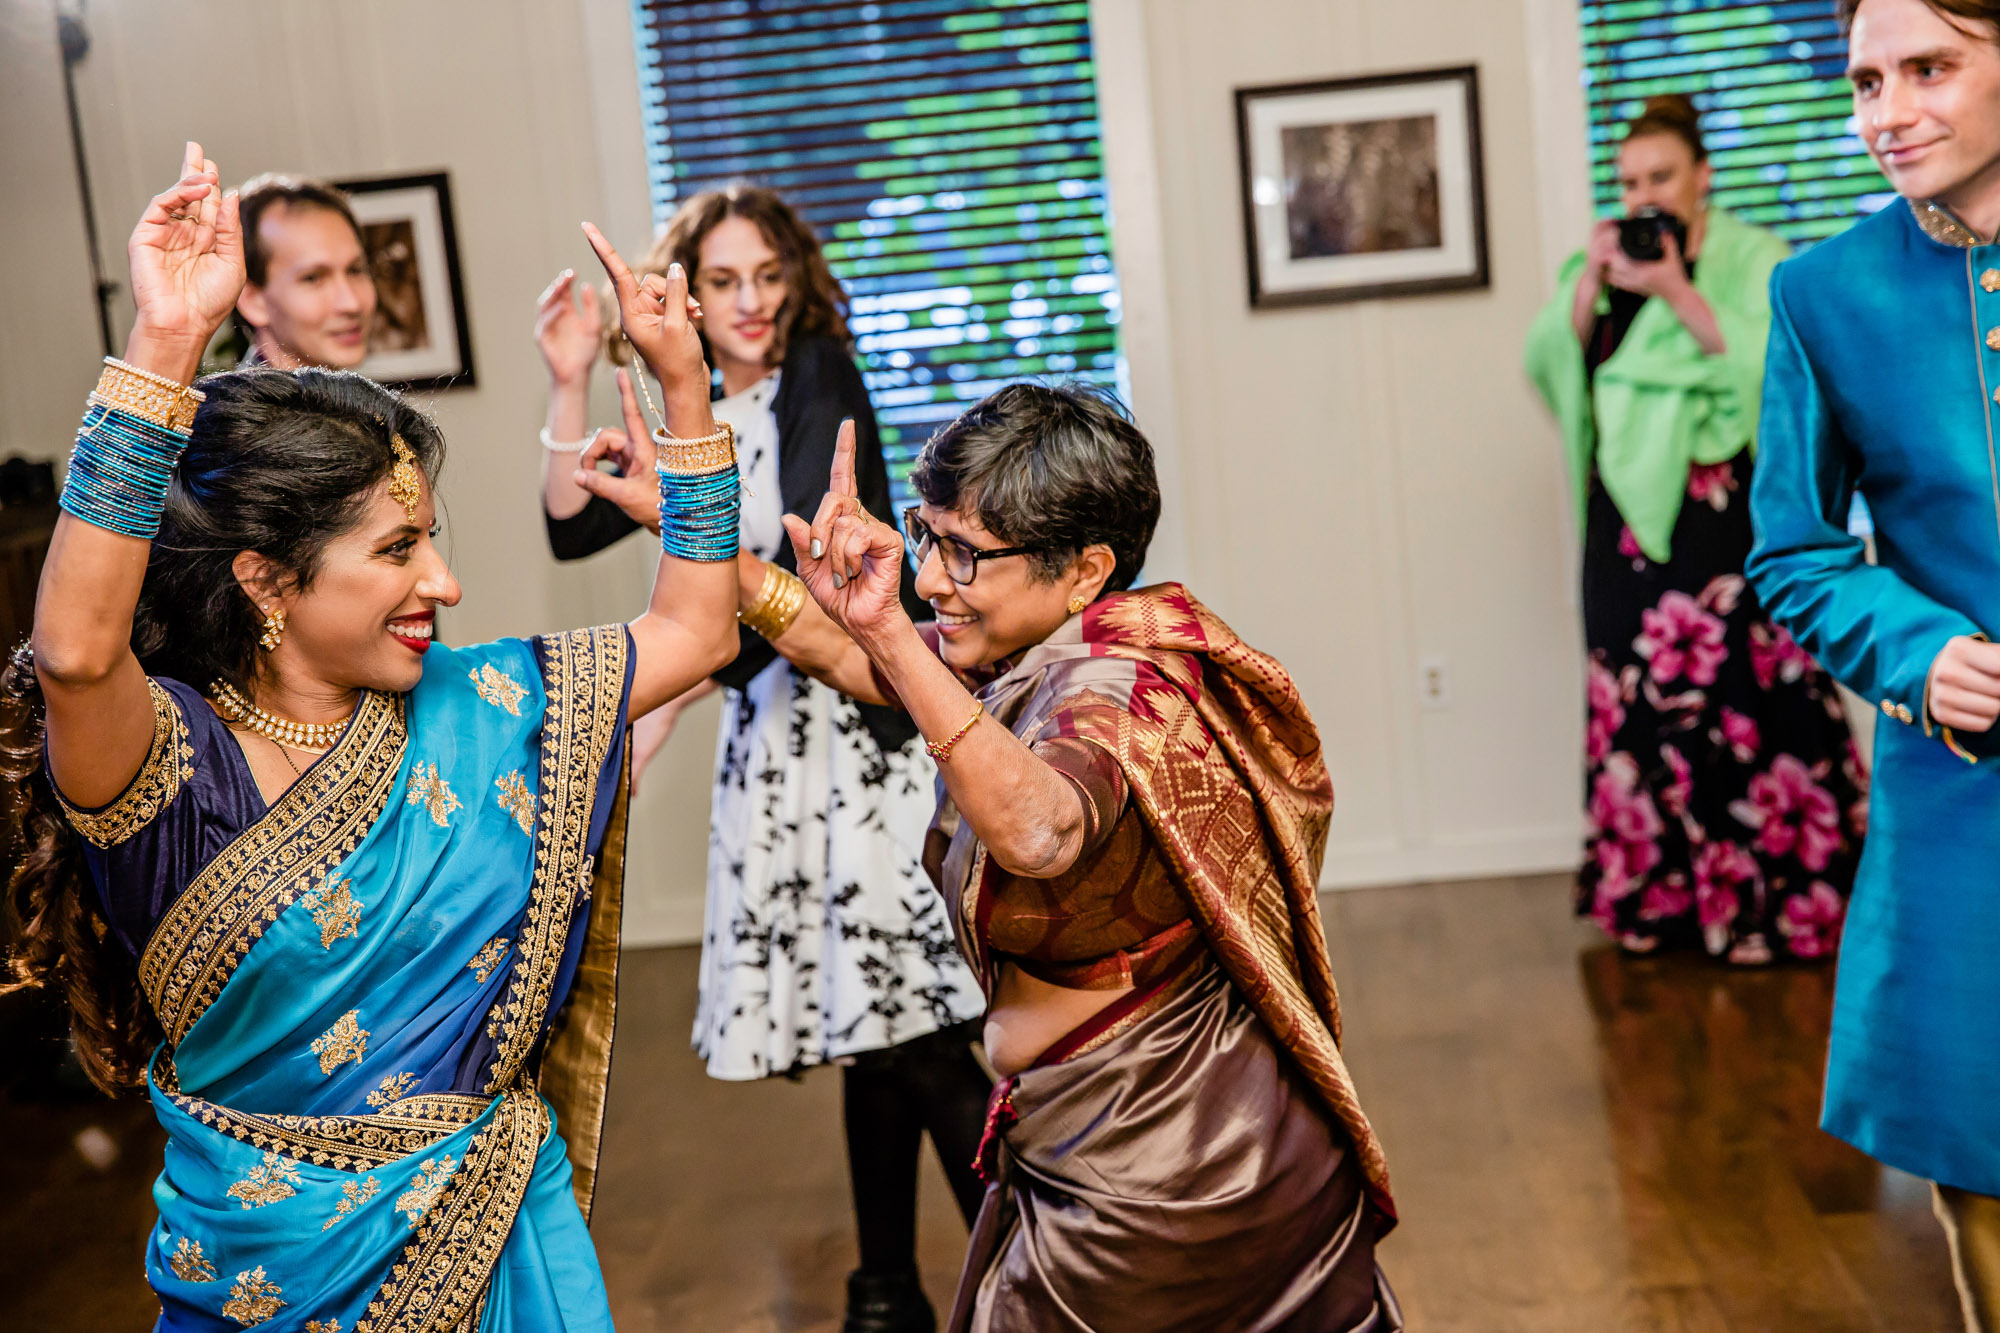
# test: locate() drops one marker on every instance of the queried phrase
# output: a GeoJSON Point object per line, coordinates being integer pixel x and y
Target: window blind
{"type": "Point", "coordinates": [1768, 78]}
{"type": "Point", "coordinates": [946, 153]}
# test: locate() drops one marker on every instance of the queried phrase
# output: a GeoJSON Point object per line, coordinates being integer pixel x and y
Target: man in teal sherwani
{"type": "Point", "coordinates": [1883, 376]}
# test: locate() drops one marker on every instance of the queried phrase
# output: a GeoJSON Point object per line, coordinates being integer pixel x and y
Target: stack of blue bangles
{"type": "Point", "coordinates": [119, 471]}
{"type": "Point", "coordinates": [699, 509]}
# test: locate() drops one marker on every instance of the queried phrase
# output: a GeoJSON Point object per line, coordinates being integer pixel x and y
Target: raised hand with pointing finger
{"type": "Point", "coordinates": [851, 561]}
{"type": "Point", "coordinates": [658, 318]}
{"type": "Point", "coordinates": [186, 259]}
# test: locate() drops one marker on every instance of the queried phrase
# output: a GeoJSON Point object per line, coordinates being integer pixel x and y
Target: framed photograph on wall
{"type": "Point", "coordinates": [421, 337]}
{"type": "Point", "coordinates": [1364, 187]}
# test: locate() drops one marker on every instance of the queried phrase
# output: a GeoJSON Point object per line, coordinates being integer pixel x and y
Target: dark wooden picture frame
{"type": "Point", "coordinates": [411, 235]}
{"type": "Point", "coordinates": [1444, 232]}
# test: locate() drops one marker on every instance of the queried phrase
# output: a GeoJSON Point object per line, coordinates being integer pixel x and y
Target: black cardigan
{"type": "Point", "coordinates": [818, 388]}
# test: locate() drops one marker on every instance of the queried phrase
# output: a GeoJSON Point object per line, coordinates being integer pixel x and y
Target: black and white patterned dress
{"type": "Point", "coordinates": [823, 937]}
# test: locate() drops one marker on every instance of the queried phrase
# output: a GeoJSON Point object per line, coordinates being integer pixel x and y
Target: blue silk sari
{"type": "Point", "coordinates": [363, 997]}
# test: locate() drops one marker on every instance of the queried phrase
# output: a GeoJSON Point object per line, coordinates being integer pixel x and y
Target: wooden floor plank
{"type": "Point", "coordinates": [1581, 1142]}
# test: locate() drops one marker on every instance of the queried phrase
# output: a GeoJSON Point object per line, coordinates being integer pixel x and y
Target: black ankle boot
{"type": "Point", "coordinates": [887, 1303]}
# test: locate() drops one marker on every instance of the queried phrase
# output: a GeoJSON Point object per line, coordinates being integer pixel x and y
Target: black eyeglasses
{"type": "Point", "coordinates": [959, 557]}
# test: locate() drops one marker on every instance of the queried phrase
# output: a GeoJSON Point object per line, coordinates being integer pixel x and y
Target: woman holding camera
{"type": "Point", "coordinates": [1726, 799]}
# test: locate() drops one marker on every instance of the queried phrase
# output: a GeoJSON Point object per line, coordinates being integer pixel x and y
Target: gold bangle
{"type": "Point", "coordinates": [778, 603]}
{"type": "Point", "coordinates": [127, 388]}
{"type": "Point", "coordinates": [714, 452]}
{"type": "Point", "coordinates": [941, 750]}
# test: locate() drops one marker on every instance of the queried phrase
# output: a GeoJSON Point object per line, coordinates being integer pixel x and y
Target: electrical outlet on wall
{"type": "Point", "coordinates": [1433, 683]}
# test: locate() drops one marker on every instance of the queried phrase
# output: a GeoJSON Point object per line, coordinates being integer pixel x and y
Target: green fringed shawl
{"type": "Point", "coordinates": [1660, 405]}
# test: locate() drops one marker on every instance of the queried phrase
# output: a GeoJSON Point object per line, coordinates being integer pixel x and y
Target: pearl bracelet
{"type": "Point", "coordinates": [556, 446]}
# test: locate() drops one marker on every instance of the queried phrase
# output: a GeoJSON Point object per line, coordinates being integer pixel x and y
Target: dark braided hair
{"type": "Point", "coordinates": [281, 463]}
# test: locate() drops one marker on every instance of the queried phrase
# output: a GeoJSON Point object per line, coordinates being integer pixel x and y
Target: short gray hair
{"type": "Point", "coordinates": [1055, 466]}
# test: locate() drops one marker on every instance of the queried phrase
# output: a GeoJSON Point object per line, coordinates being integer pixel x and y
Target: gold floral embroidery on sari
{"type": "Point", "coordinates": [352, 1195]}
{"type": "Point", "coordinates": [393, 1089]}
{"type": "Point", "coordinates": [253, 1299]}
{"type": "Point", "coordinates": [584, 676]}
{"type": "Point", "coordinates": [188, 1262]}
{"type": "Point", "coordinates": [335, 912]}
{"type": "Point", "coordinates": [345, 1040]}
{"type": "Point", "coordinates": [516, 800]}
{"type": "Point", "coordinates": [432, 1177]}
{"type": "Point", "coordinates": [316, 1326]}
{"type": "Point", "coordinates": [499, 689]}
{"type": "Point", "coordinates": [273, 1182]}
{"type": "Point", "coordinates": [313, 827]}
{"type": "Point", "coordinates": [430, 790]}
{"type": "Point", "coordinates": [488, 958]}
{"type": "Point", "coordinates": [169, 763]}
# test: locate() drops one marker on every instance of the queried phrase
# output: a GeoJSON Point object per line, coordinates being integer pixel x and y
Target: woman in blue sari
{"type": "Point", "coordinates": [344, 899]}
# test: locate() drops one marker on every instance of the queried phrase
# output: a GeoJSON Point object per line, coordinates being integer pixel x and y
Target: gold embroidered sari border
{"type": "Point", "coordinates": [211, 927]}
{"type": "Point", "coordinates": [584, 674]}
{"type": "Point", "coordinates": [442, 1274]}
{"type": "Point", "coordinates": [343, 1143]}
{"type": "Point", "coordinates": [169, 763]}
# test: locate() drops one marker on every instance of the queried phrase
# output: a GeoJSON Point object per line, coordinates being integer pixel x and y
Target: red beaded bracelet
{"type": "Point", "coordinates": [941, 750]}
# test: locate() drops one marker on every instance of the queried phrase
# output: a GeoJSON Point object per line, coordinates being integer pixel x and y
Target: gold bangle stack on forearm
{"type": "Point", "coordinates": [698, 457]}
{"type": "Point", "coordinates": [127, 388]}
{"type": "Point", "coordinates": [778, 603]}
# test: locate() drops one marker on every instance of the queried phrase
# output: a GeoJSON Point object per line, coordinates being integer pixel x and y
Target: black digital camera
{"type": "Point", "coordinates": [1642, 236]}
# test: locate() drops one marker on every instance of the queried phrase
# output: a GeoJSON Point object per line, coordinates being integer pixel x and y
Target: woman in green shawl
{"type": "Point", "coordinates": [1726, 799]}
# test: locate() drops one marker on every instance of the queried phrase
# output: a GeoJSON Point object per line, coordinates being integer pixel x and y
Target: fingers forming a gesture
{"type": "Point", "coordinates": [637, 491]}
{"type": "Point", "coordinates": [566, 335]}
{"type": "Point", "coordinates": [658, 317]}
{"type": "Point", "coordinates": [852, 563]}
{"type": "Point", "coordinates": [187, 254]}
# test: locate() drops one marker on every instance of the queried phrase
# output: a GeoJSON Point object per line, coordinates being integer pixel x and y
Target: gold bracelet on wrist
{"type": "Point", "coordinates": [713, 452]}
{"type": "Point", "coordinates": [778, 603]}
{"type": "Point", "coordinates": [127, 388]}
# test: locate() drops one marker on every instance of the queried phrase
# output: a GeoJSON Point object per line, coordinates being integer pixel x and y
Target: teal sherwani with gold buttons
{"type": "Point", "coordinates": [1881, 377]}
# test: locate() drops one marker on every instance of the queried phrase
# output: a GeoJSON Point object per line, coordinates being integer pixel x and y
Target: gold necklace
{"type": "Point", "coordinates": [281, 730]}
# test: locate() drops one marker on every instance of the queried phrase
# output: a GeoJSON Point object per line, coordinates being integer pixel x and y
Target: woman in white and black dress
{"type": "Point", "coordinates": [824, 939]}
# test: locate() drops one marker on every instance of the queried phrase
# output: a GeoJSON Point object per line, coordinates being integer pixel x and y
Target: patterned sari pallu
{"type": "Point", "coordinates": [355, 994]}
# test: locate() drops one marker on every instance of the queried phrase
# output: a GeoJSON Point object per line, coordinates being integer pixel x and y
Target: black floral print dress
{"type": "Point", "coordinates": [1727, 801]}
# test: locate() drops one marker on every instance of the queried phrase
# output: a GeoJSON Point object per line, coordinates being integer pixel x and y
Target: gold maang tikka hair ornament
{"type": "Point", "coordinates": [406, 488]}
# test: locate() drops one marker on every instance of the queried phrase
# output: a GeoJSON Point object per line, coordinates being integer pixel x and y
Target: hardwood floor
{"type": "Point", "coordinates": [1580, 1142]}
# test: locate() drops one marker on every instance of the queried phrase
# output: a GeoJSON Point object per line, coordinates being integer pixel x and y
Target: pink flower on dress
{"type": "Point", "coordinates": [1681, 790]}
{"type": "Point", "coordinates": [1742, 734]}
{"type": "Point", "coordinates": [1678, 639]}
{"type": "Point", "coordinates": [1775, 655]}
{"type": "Point", "coordinates": [1792, 813]}
{"type": "Point", "coordinates": [1607, 711]}
{"type": "Point", "coordinates": [1711, 484]}
{"type": "Point", "coordinates": [1666, 899]}
{"type": "Point", "coordinates": [1720, 873]}
{"type": "Point", "coordinates": [1628, 545]}
{"type": "Point", "coordinates": [1811, 921]}
{"type": "Point", "coordinates": [1628, 828]}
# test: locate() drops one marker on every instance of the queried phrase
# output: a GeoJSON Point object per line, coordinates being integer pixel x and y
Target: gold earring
{"type": "Point", "coordinates": [274, 630]}
{"type": "Point", "coordinates": [1077, 603]}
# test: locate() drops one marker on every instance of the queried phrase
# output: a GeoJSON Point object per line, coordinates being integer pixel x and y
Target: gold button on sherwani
{"type": "Point", "coordinates": [1990, 280]}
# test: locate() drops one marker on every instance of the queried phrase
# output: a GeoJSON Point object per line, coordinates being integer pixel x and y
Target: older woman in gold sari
{"type": "Point", "coordinates": [1133, 813]}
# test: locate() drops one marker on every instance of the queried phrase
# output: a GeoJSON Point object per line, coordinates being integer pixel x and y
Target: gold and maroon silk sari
{"type": "Point", "coordinates": [1163, 1167]}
